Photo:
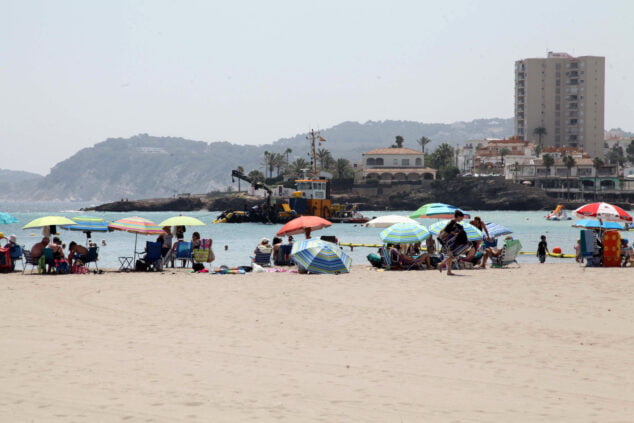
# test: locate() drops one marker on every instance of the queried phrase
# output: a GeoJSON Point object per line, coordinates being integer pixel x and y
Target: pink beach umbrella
{"type": "Point", "coordinates": [136, 225]}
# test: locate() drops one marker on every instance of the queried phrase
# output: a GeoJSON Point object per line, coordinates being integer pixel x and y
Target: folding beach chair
{"type": "Point", "coordinates": [91, 257]}
{"type": "Point", "coordinates": [394, 260]}
{"type": "Point", "coordinates": [152, 258]}
{"type": "Point", "coordinates": [16, 253]}
{"type": "Point", "coordinates": [510, 251]}
{"type": "Point", "coordinates": [263, 258]}
{"type": "Point", "coordinates": [28, 259]}
{"type": "Point", "coordinates": [183, 252]}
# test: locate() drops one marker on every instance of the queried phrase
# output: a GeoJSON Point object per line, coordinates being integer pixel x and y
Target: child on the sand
{"type": "Point", "coordinates": [542, 249]}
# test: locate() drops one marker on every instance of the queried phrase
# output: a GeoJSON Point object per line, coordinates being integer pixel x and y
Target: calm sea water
{"type": "Point", "coordinates": [241, 239]}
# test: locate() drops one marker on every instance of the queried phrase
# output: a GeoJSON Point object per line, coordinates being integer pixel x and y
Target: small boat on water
{"type": "Point", "coordinates": [559, 213]}
{"type": "Point", "coordinates": [347, 213]}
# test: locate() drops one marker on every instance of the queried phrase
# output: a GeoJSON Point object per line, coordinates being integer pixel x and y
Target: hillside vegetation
{"type": "Point", "coordinates": [145, 166]}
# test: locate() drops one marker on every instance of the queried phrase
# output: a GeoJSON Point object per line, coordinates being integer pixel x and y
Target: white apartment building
{"type": "Point", "coordinates": [565, 95]}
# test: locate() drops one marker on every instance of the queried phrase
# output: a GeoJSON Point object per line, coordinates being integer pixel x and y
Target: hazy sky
{"type": "Point", "coordinates": [73, 73]}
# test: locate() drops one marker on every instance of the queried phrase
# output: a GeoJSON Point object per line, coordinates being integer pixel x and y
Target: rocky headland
{"type": "Point", "coordinates": [468, 193]}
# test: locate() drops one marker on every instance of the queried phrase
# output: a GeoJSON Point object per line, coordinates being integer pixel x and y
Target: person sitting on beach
{"type": "Point", "coordinates": [405, 260]}
{"type": "Point", "coordinates": [195, 240]}
{"type": "Point", "coordinates": [58, 249]}
{"type": "Point", "coordinates": [263, 247]}
{"type": "Point", "coordinates": [430, 245]}
{"type": "Point", "coordinates": [38, 249]}
{"type": "Point", "coordinates": [277, 241]}
{"type": "Point", "coordinates": [76, 254]}
{"type": "Point", "coordinates": [167, 242]}
{"type": "Point", "coordinates": [491, 252]}
{"type": "Point", "coordinates": [15, 251]}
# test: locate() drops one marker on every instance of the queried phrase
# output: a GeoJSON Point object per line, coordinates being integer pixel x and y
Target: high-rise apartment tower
{"type": "Point", "coordinates": [562, 97]}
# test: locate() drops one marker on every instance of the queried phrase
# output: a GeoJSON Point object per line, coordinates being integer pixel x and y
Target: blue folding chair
{"type": "Point", "coordinates": [153, 259]}
{"type": "Point", "coordinates": [183, 252]}
{"type": "Point", "coordinates": [262, 258]}
{"type": "Point", "coordinates": [92, 257]}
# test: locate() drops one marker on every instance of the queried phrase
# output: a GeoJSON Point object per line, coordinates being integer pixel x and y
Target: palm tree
{"type": "Point", "coordinates": [548, 161]}
{"type": "Point", "coordinates": [278, 162]}
{"type": "Point", "coordinates": [423, 141]}
{"type": "Point", "coordinates": [597, 163]}
{"type": "Point", "coordinates": [267, 163]}
{"type": "Point", "coordinates": [570, 162]}
{"type": "Point", "coordinates": [540, 131]}
{"type": "Point", "coordinates": [287, 152]}
{"type": "Point", "coordinates": [241, 170]}
{"type": "Point", "coordinates": [343, 168]}
{"type": "Point", "coordinates": [325, 158]}
{"type": "Point", "coordinates": [399, 142]}
{"type": "Point", "coordinates": [504, 152]}
{"type": "Point", "coordinates": [297, 166]}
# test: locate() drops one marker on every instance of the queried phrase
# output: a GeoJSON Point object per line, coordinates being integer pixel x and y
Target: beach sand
{"type": "Point", "coordinates": [547, 343]}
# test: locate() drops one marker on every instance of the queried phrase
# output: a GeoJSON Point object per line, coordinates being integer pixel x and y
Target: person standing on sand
{"type": "Point", "coordinates": [542, 249]}
{"type": "Point", "coordinates": [455, 242]}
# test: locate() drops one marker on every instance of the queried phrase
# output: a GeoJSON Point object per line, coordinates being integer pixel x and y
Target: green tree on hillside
{"type": "Point", "coordinates": [423, 141]}
{"type": "Point", "coordinates": [324, 158]}
{"type": "Point", "coordinates": [398, 142]}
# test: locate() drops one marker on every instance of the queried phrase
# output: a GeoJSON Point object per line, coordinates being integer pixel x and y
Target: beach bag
{"type": "Point", "coordinates": [5, 260]}
{"type": "Point", "coordinates": [375, 260]}
{"type": "Point", "coordinates": [78, 270]}
{"type": "Point", "coordinates": [61, 267]}
{"type": "Point", "coordinates": [197, 267]}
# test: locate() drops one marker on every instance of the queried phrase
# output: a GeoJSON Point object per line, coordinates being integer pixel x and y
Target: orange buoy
{"type": "Point", "coordinates": [557, 250]}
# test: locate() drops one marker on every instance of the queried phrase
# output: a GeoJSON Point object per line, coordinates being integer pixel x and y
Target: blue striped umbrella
{"type": "Point", "coordinates": [596, 224]}
{"type": "Point", "coordinates": [317, 256]}
{"type": "Point", "coordinates": [473, 233]}
{"type": "Point", "coordinates": [6, 218]}
{"type": "Point", "coordinates": [404, 233]}
{"type": "Point", "coordinates": [496, 230]}
{"type": "Point", "coordinates": [88, 224]}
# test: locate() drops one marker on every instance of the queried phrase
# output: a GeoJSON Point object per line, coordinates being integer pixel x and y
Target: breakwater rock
{"type": "Point", "coordinates": [468, 193]}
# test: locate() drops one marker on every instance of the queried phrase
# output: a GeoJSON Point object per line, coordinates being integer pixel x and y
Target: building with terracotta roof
{"type": "Point", "coordinates": [396, 164]}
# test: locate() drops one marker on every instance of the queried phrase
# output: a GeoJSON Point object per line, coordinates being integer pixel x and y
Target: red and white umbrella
{"type": "Point", "coordinates": [604, 211]}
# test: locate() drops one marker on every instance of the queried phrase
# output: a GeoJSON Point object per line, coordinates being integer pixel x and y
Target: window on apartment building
{"type": "Point", "coordinates": [395, 162]}
{"type": "Point", "coordinates": [419, 162]}
{"type": "Point", "coordinates": [405, 162]}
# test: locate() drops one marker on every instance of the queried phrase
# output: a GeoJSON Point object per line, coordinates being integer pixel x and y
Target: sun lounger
{"type": "Point", "coordinates": [510, 251]}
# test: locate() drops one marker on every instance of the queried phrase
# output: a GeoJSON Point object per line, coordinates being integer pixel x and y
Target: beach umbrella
{"type": "Point", "coordinates": [437, 211]}
{"type": "Point", "coordinates": [597, 224]}
{"type": "Point", "coordinates": [317, 256]}
{"type": "Point", "coordinates": [6, 218]}
{"type": "Point", "coordinates": [603, 211]}
{"type": "Point", "coordinates": [496, 230]}
{"type": "Point", "coordinates": [297, 225]}
{"type": "Point", "coordinates": [404, 233]}
{"type": "Point", "coordinates": [387, 221]}
{"type": "Point", "coordinates": [182, 221]}
{"type": "Point", "coordinates": [41, 222]}
{"type": "Point", "coordinates": [137, 226]}
{"type": "Point", "coordinates": [87, 225]}
{"type": "Point", "coordinates": [473, 233]}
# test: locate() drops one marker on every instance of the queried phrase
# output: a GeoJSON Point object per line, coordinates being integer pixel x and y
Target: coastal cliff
{"type": "Point", "coordinates": [468, 193]}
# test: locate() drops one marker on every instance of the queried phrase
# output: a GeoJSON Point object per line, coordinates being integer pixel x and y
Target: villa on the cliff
{"type": "Point", "coordinates": [389, 165]}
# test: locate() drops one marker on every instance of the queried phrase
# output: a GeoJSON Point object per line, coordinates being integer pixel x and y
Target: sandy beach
{"type": "Point", "coordinates": [544, 343]}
